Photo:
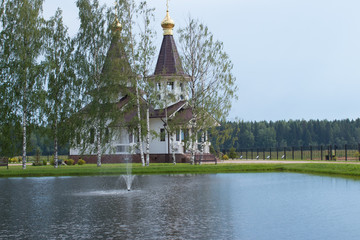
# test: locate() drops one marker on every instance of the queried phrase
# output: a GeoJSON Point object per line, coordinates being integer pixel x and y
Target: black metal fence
{"type": "Point", "coordinates": [326, 152]}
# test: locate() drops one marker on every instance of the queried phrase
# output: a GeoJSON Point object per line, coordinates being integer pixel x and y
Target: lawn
{"type": "Point", "coordinates": [345, 170]}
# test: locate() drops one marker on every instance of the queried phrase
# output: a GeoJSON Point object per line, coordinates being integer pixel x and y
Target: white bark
{"type": "Point", "coordinates": [55, 145]}
{"type": "Point", "coordinates": [139, 126]}
{"type": "Point", "coordinates": [202, 147]}
{"type": "Point", "coordinates": [98, 142]}
{"type": "Point", "coordinates": [148, 137]}
{"type": "Point", "coordinates": [192, 160]}
{"type": "Point", "coordinates": [24, 139]}
{"type": "Point", "coordinates": [173, 149]}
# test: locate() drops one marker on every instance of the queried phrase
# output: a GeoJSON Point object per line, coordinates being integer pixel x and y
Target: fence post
{"type": "Point", "coordinates": [321, 152]}
{"type": "Point", "coordinates": [311, 153]}
{"type": "Point", "coordinates": [257, 152]}
{"type": "Point", "coordinates": [359, 150]}
{"type": "Point", "coordinates": [301, 150]}
{"type": "Point", "coordinates": [284, 152]}
{"type": "Point", "coordinates": [246, 153]}
{"type": "Point", "coordinates": [270, 153]}
{"type": "Point", "coordinates": [252, 153]}
{"type": "Point", "coordinates": [345, 152]}
{"type": "Point", "coordinates": [263, 153]}
{"type": "Point", "coordinates": [335, 147]}
{"type": "Point", "coordinates": [293, 150]}
{"type": "Point", "coordinates": [277, 153]}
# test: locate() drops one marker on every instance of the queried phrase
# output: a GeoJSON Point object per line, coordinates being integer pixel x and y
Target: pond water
{"type": "Point", "coordinates": [219, 206]}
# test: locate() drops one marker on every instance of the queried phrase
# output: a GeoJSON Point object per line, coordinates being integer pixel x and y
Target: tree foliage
{"type": "Point", "coordinates": [62, 98]}
{"type": "Point", "coordinates": [22, 38]}
{"type": "Point", "coordinates": [264, 134]}
{"type": "Point", "coordinates": [212, 84]}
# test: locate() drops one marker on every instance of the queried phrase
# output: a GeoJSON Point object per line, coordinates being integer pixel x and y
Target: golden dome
{"type": "Point", "coordinates": [168, 24]}
{"type": "Point", "coordinates": [117, 25]}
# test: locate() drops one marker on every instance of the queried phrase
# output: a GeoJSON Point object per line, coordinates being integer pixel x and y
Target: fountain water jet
{"type": "Point", "coordinates": [129, 178]}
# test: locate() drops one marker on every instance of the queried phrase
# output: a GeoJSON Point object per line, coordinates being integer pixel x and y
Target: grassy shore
{"type": "Point", "coordinates": [343, 170]}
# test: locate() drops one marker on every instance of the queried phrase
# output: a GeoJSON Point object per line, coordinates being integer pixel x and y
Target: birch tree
{"type": "Point", "coordinates": [93, 41]}
{"type": "Point", "coordinates": [22, 41]}
{"type": "Point", "coordinates": [140, 50]}
{"type": "Point", "coordinates": [62, 93]}
{"type": "Point", "coordinates": [146, 53]}
{"type": "Point", "coordinates": [212, 84]}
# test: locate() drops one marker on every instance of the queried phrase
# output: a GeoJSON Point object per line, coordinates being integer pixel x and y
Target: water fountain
{"type": "Point", "coordinates": [128, 177]}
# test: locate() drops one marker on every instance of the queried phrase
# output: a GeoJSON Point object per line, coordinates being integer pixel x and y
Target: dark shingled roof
{"type": "Point", "coordinates": [169, 62]}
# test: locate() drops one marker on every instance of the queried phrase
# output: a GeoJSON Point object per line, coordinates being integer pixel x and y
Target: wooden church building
{"type": "Point", "coordinates": [171, 80]}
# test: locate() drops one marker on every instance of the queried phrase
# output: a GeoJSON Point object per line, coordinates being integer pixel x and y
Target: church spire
{"type": "Point", "coordinates": [167, 24]}
{"type": "Point", "coordinates": [117, 24]}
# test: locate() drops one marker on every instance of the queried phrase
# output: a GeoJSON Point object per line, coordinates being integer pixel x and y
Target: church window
{"type": "Point", "coordinates": [78, 138]}
{"type": "Point", "coordinates": [170, 86]}
{"type": "Point", "coordinates": [162, 134]}
{"type": "Point", "coordinates": [92, 135]}
{"type": "Point", "coordinates": [177, 135]}
{"type": "Point", "coordinates": [131, 140]}
{"type": "Point", "coordinates": [107, 135]}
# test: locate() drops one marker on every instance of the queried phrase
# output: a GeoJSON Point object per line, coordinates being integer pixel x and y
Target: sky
{"type": "Point", "coordinates": [293, 59]}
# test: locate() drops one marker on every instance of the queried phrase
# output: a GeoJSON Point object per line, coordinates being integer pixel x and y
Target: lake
{"type": "Point", "coordinates": [216, 206]}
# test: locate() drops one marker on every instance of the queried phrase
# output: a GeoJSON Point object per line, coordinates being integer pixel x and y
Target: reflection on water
{"type": "Point", "coordinates": [221, 206]}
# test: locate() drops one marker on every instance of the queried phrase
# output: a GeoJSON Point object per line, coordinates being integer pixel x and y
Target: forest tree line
{"type": "Point", "coordinates": [246, 135]}
{"type": "Point", "coordinates": [265, 134]}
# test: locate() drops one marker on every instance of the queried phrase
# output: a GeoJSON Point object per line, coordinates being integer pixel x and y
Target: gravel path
{"type": "Point", "coordinates": [285, 161]}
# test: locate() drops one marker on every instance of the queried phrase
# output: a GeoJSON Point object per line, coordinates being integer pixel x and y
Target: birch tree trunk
{"type": "Point", "coordinates": [173, 149]}
{"type": "Point", "coordinates": [202, 147]}
{"type": "Point", "coordinates": [192, 159]}
{"type": "Point", "coordinates": [139, 126]}
{"type": "Point", "coordinates": [148, 136]}
{"type": "Point", "coordinates": [98, 147]}
{"type": "Point", "coordinates": [56, 144]}
{"type": "Point", "coordinates": [24, 139]}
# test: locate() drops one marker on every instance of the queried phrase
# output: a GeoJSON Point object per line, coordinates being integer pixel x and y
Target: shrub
{"type": "Point", "coordinates": [69, 162]}
{"type": "Point", "coordinates": [52, 162]}
{"type": "Point", "coordinates": [81, 162]}
{"type": "Point", "coordinates": [44, 162]}
{"type": "Point", "coordinates": [225, 157]}
{"type": "Point", "coordinates": [232, 153]}
{"type": "Point", "coordinates": [13, 160]}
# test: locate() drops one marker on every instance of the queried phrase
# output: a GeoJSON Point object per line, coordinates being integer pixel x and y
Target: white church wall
{"type": "Point", "coordinates": [157, 146]}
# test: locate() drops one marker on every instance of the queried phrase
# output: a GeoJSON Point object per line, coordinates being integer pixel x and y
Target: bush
{"type": "Point", "coordinates": [52, 162]}
{"type": "Point", "coordinates": [69, 162]}
{"type": "Point", "coordinates": [225, 157]}
{"type": "Point", "coordinates": [232, 153]}
{"type": "Point", "coordinates": [81, 162]}
{"type": "Point", "coordinates": [14, 160]}
{"type": "Point", "coordinates": [44, 162]}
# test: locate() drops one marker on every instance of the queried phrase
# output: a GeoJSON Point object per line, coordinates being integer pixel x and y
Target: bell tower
{"type": "Point", "coordinates": [172, 84]}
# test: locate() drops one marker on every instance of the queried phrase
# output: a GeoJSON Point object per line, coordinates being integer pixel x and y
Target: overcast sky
{"type": "Point", "coordinates": [293, 59]}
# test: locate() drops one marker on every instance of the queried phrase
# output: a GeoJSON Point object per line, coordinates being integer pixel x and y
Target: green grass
{"type": "Point", "coordinates": [344, 170]}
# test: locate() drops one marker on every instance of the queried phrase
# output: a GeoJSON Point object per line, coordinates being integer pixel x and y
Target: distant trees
{"type": "Point", "coordinates": [286, 133]}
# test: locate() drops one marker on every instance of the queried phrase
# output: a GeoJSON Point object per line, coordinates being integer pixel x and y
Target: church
{"type": "Point", "coordinates": [165, 146]}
